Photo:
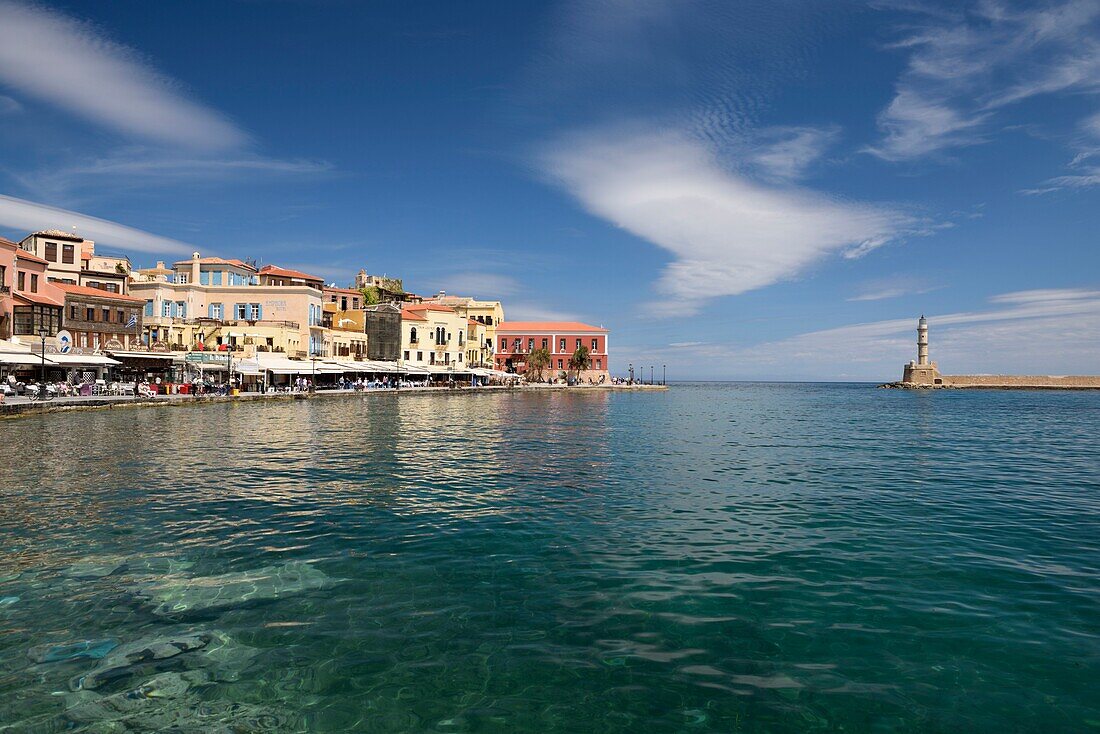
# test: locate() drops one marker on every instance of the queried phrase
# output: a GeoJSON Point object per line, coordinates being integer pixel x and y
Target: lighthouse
{"type": "Point", "coordinates": [921, 371]}
{"type": "Point", "coordinates": [922, 341]}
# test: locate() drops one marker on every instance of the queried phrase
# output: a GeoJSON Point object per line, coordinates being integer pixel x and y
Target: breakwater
{"type": "Point", "coordinates": [1005, 382]}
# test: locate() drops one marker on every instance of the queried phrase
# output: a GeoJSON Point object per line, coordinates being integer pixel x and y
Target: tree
{"type": "Point", "coordinates": [371, 295]}
{"type": "Point", "coordinates": [537, 361]}
{"type": "Point", "coordinates": [580, 360]}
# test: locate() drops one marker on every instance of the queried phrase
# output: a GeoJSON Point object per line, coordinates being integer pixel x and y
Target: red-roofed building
{"type": "Point", "coordinates": [517, 339]}
{"type": "Point", "coordinates": [274, 275]}
{"type": "Point", "coordinates": [28, 301]}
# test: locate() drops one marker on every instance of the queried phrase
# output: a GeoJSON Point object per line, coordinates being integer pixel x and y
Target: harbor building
{"type": "Point", "coordinates": [207, 302]}
{"type": "Point", "coordinates": [72, 260]}
{"type": "Point", "coordinates": [28, 300]}
{"type": "Point", "coordinates": [102, 320]}
{"type": "Point", "coordinates": [433, 337]}
{"type": "Point", "coordinates": [517, 339]}
{"type": "Point", "coordinates": [490, 314]}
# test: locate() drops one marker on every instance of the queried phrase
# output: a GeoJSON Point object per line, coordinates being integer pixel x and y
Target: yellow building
{"type": "Point", "coordinates": [433, 337]}
{"type": "Point", "coordinates": [490, 314]}
{"type": "Point", "coordinates": [346, 331]}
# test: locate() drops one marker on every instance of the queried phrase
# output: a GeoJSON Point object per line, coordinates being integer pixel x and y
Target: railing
{"type": "Point", "coordinates": [218, 323]}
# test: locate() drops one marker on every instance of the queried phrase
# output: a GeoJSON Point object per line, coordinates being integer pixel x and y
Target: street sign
{"type": "Point", "coordinates": [64, 341]}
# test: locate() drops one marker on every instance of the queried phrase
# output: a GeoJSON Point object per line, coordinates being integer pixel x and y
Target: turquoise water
{"type": "Point", "coordinates": [720, 557]}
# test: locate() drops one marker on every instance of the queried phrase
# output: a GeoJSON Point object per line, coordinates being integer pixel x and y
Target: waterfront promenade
{"type": "Point", "coordinates": [14, 407]}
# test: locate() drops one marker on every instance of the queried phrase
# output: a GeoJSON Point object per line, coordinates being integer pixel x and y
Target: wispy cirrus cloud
{"type": "Point", "coordinates": [968, 62]}
{"type": "Point", "coordinates": [19, 214]}
{"type": "Point", "coordinates": [728, 233]}
{"type": "Point", "coordinates": [476, 285]}
{"type": "Point", "coordinates": [70, 64]}
{"type": "Point", "coordinates": [881, 289]}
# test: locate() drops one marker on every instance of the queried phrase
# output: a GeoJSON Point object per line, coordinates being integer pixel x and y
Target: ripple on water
{"type": "Point", "coordinates": [723, 557]}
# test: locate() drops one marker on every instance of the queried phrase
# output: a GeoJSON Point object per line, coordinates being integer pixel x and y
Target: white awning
{"type": "Point", "coordinates": [23, 358]}
{"type": "Point", "coordinates": [248, 368]}
{"type": "Point", "coordinates": [140, 355]}
{"type": "Point", "coordinates": [83, 360]}
{"type": "Point", "coordinates": [410, 369]}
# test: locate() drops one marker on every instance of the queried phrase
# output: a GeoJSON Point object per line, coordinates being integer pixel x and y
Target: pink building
{"type": "Point", "coordinates": [28, 301]}
{"type": "Point", "coordinates": [516, 339]}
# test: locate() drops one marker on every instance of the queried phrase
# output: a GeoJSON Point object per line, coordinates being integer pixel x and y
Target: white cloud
{"type": "Point", "coordinates": [1046, 331]}
{"type": "Point", "coordinates": [882, 288]}
{"type": "Point", "coordinates": [69, 64]}
{"type": "Point", "coordinates": [9, 106]}
{"type": "Point", "coordinates": [785, 153]}
{"type": "Point", "coordinates": [727, 233]}
{"type": "Point", "coordinates": [143, 167]}
{"type": "Point", "coordinates": [19, 214]}
{"type": "Point", "coordinates": [486, 286]}
{"type": "Point", "coordinates": [526, 311]}
{"type": "Point", "coordinates": [966, 65]}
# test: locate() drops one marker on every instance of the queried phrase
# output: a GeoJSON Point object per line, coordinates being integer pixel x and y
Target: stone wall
{"type": "Point", "coordinates": [1022, 381]}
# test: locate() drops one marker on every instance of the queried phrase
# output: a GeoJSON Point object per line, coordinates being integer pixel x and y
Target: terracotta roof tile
{"type": "Point", "coordinates": [83, 290]}
{"type": "Point", "coordinates": [567, 327]}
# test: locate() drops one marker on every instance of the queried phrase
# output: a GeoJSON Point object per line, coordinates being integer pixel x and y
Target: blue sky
{"type": "Point", "coordinates": [770, 190]}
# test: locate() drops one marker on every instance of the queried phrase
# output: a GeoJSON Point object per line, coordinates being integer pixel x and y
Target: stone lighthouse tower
{"type": "Point", "coordinates": [922, 341]}
{"type": "Point", "coordinates": [922, 371]}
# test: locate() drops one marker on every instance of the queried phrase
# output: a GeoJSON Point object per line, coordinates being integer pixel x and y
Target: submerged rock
{"type": "Point", "coordinates": [126, 660]}
{"type": "Point", "coordinates": [98, 567]}
{"type": "Point", "coordinates": [182, 596]}
{"type": "Point", "coordinates": [149, 696]}
{"type": "Point", "coordinates": [64, 651]}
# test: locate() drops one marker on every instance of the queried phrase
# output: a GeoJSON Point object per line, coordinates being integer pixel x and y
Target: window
{"type": "Point", "coordinates": [561, 348]}
{"type": "Point", "coordinates": [504, 345]}
{"type": "Point", "coordinates": [420, 356]}
{"type": "Point", "coordinates": [181, 278]}
{"type": "Point", "coordinates": [106, 314]}
{"type": "Point", "coordinates": [431, 357]}
{"type": "Point", "coordinates": [166, 309]}
{"type": "Point", "coordinates": [531, 344]}
{"type": "Point", "coordinates": [545, 343]}
{"type": "Point", "coordinates": [406, 356]}
{"type": "Point", "coordinates": [578, 344]}
{"type": "Point", "coordinates": [51, 251]}
{"type": "Point", "coordinates": [181, 309]}
{"type": "Point", "coordinates": [3, 276]}
{"type": "Point", "coordinates": [595, 345]}
{"type": "Point", "coordinates": [559, 364]}
{"type": "Point", "coordinates": [111, 287]}
{"type": "Point", "coordinates": [121, 316]}
{"type": "Point", "coordinates": [34, 282]}
{"type": "Point", "coordinates": [412, 335]}
{"type": "Point", "coordinates": [22, 281]}
{"type": "Point", "coordinates": [441, 335]}
{"type": "Point", "coordinates": [254, 311]}
{"type": "Point", "coordinates": [240, 311]}
{"type": "Point", "coordinates": [72, 312]}
{"type": "Point", "coordinates": [27, 320]}
{"type": "Point", "coordinates": [215, 310]}
{"type": "Point", "coordinates": [148, 308]}
{"type": "Point", "coordinates": [599, 364]}
{"type": "Point", "coordinates": [89, 314]}
{"type": "Point", "coordinates": [67, 254]}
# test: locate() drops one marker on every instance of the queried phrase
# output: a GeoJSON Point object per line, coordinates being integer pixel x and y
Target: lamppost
{"type": "Point", "coordinates": [664, 377]}
{"type": "Point", "coordinates": [313, 384]}
{"type": "Point", "coordinates": [630, 367]}
{"type": "Point", "coordinates": [229, 369]}
{"type": "Point", "coordinates": [43, 332]}
{"type": "Point", "coordinates": [650, 374]}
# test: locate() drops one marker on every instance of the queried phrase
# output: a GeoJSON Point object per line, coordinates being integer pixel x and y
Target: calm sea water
{"type": "Point", "coordinates": [720, 557]}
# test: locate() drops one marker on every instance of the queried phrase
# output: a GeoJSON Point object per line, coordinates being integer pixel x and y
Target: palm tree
{"type": "Point", "coordinates": [580, 360]}
{"type": "Point", "coordinates": [537, 361]}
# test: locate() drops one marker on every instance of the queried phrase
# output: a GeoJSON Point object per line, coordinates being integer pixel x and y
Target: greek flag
{"type": "Point", "coordinates": [132, 322]}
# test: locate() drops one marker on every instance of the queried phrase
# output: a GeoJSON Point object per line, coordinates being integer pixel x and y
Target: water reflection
{"type": "Point", "coordinates": [760, 557]}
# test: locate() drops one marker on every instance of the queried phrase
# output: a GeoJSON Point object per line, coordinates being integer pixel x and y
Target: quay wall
{"type": "Point", "coordinates": [1023, 381]}
{"type": "Point", "coordinates": [65, 405]}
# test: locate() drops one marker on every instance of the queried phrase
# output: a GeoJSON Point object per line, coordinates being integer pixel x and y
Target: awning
{"type": "Point", "coordinates": [83, 360]}
{"type": "Point", "coordinates": [23, 358]}
{"type": "Point", "coordinates": [140, 355]}
{"type": "Point", "coordinates": [437, 369]}
{"type": "Point", "coordinates": [248, 368]}
{"type": "Point", "coordinates": [414, 370]}
{"type": "Point", "coordinates": [285, 366]}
